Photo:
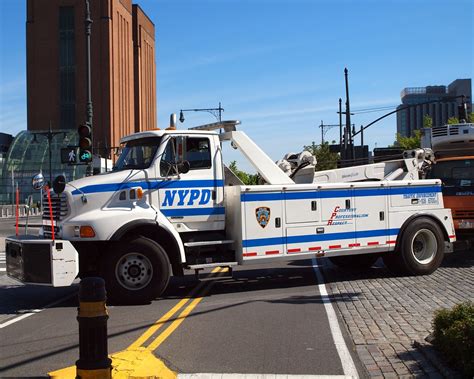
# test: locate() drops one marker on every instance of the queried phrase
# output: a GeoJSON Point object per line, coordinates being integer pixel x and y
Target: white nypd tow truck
{"type": "Point", "coordinates": [171, 204]}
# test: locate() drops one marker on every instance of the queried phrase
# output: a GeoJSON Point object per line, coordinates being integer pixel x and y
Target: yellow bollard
{"type": "Point", "coordinates": [93, 362]}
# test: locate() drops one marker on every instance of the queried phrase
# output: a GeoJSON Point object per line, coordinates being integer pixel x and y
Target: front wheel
{"type": "Point", "coordinates": [421, 249]}
{"type": "Point", "coordinates": [136, 272]}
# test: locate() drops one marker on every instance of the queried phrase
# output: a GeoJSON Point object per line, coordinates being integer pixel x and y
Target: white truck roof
{"type": "Point", "coordinates": [161, 133]}
{"type": "Point", "coordinates": [227, 126]}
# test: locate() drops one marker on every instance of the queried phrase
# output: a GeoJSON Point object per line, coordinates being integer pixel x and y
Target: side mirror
{"type": "Point", "coordinates": [38, 181]}
{"type": "Point", "coordinates": [59, 183]}
{"type": "Point", "coordinates": [183, 167]}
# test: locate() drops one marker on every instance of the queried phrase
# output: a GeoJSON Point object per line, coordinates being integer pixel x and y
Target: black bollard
{"type": "Point", "coordinates": [92, 317]}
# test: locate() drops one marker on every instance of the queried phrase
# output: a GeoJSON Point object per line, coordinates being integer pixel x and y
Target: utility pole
{"type": "Point", "coordinates": [325, 128]}
{"type": "Point", "coordinates": [340, 126]}
{"type": "Point", "coordinates": [348, 112]}
{"type": "Point", "coordinates": [89, 112]}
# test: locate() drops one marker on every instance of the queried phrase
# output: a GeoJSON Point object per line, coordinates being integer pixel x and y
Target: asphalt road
{"type": "Point", "coordinates": [267, 319]}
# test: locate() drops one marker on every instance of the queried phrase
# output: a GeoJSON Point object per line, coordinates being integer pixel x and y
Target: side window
{"type": "Point", "coordinates": [195, 150]}
{"type": "Point", "coordinates": [198, 153]}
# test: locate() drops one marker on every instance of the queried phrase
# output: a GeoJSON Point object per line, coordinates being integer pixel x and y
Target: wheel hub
{"type": "Point", "coordinates": [134, 271]}
{"type": "Point", "coordinates": [424, 246]}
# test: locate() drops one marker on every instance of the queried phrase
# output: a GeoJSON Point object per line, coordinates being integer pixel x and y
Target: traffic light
{"type": "Point", "coordinates": [85, 143]}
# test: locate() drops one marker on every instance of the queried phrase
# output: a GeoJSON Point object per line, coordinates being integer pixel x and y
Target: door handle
{"type": "Point", "coordinates": [314, 205]}
{"type": "Point", "coordinates": [348, 203]}
{"type": "Point", "coordinates": [277, 222]}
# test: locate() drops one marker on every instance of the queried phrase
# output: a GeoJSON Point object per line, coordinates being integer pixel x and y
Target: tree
{"type": "Point", "coordinates": [427, 121]}
{"type": "Point", "coordinates": [453, 120]}
{"type": "Point", "coordinates": [326, 159]}
{"type": "Point", "coordinates": [409, 143]}
{"type": "Point", "coordinates": [246, 178]}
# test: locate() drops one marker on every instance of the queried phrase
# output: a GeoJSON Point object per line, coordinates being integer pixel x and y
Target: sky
{"type": "Point", "coordinates": [278, 65]}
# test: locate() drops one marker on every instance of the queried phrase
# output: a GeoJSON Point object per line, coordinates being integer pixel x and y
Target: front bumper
{"type": "Point", "coordinates": [34, 260]}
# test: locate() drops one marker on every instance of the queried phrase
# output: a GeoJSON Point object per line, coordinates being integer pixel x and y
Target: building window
{"type": "Point", "coordinates": [67, 69]}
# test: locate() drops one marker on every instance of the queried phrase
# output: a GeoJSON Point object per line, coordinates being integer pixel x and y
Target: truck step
{"type": "Point", "coordinates": [211, 265]}
{"type": "Point", "coordinates": [207, 243]}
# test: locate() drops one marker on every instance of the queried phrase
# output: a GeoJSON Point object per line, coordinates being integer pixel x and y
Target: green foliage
{"type": "Point", "coordinates": [471, 117]}
{"type": "Point", "coordinates": [408, 143]}
{"type": "Point", "coordinates": [427, 121]}
{"type": "Point", "coordinates": [246, 178]}
{"type": "Point", "coordinates": [453, 120]}
{"type": "Point", "coordinates": [326, 159]}
{"type": "Point", "coordinates": [454, 336]}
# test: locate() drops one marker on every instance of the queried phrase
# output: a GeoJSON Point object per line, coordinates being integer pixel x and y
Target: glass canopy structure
{"type": "Point", "coordinates": [28, 155]}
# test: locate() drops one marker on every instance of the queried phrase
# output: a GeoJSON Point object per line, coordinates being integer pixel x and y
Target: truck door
{"type": "Point", "coordinates": [337, 229]}
{"type": "Point", "coordinates": [263, 231]}
{"type": "Point", "coordinates": [302, 214]}
{"type": "Point", "coordinates": [192, 197]}
{"type": "Point", "coordinates": [371, 217]}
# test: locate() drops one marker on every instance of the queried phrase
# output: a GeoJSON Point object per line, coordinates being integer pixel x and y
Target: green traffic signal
{"type": "Point", "coordinates": [85, 156]}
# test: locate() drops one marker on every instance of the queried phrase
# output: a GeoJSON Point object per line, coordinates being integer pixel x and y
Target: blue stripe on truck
{"type": "Point", "coordinates": [153, 184]}
{"type": "Point", "coordinates": [319, 237]}
{"type": "Point", "coordinates": [193, 212]}
{"type": "Point", "coordinates": [327, 193]}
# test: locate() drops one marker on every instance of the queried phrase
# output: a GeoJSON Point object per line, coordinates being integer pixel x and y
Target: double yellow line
{"type": "Point", "coordinates": [194, 297]}
{"type": "Point", "coordinates": [138, 359]}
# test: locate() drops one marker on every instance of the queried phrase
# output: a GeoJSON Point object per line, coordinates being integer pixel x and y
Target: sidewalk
{"type": "Point", "coordinates": [385, 314]}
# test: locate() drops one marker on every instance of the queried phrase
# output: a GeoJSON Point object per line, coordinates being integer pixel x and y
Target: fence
{"type": "Point", "coordinates": [8, 211]}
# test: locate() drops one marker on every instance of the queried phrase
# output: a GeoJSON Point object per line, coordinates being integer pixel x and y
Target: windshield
{"type": "Point", "coordinates": [138, 154]}
{"type": "Point", "coordinates": [454, 173]}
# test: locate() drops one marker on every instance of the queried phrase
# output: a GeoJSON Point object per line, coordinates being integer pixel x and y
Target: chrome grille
{"type": "Point", "coordinates": [58, 205]}
{"type": "Point", "coordinates": [47, 231]}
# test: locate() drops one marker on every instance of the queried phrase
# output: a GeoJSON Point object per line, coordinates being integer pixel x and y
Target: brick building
{"type": "Point", "coordinates": [122, 60]}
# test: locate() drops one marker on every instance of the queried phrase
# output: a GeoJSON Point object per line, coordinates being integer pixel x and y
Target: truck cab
{"type": "Point", "coordinates": [453, 146]}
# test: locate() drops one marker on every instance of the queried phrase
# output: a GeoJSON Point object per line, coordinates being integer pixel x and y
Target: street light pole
{"type": "Point", "coordinates": [216, 112]}
{"type": "Point", "coordinates": [89, 111]}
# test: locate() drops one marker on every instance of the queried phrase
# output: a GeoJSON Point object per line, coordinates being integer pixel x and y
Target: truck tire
{"type": "Point", "coordinates": [421, 249]}
{"type": "Point", "coordinates": [136, 272]}
{"type": "Point", "coordinates": [359, 261]}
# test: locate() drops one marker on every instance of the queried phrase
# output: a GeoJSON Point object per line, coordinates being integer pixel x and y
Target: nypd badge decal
{"type": "Point", "coordinates": [263, 216]}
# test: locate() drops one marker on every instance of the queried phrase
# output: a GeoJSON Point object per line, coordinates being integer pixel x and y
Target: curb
{"type": "Point", "coordinates": [433, 356]}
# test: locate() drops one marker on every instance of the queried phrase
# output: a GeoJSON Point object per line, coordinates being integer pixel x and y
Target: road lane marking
{"type": "Point", "coordinates": [176, 323]}
{"type": "Point", "coordinates": [157, 325]}
{"type": "Point", "coordinates": [348, 365]}
{"type": "Point", "coordinates": [35, 311]}
{"type": "Point", "coordinates": [3, 269]}
{"type": "Point", "coordinates": [258, 376]}
{"type": "Point", "coordinates": [138, 361]}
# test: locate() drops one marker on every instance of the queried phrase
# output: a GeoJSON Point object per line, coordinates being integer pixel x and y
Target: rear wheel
{"type": "Point", "coordinates": [355, 261]}
{"type": "Point", "coordinates": [421, 249]}
{"type": "Point", "coordinates": [137, 271]}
